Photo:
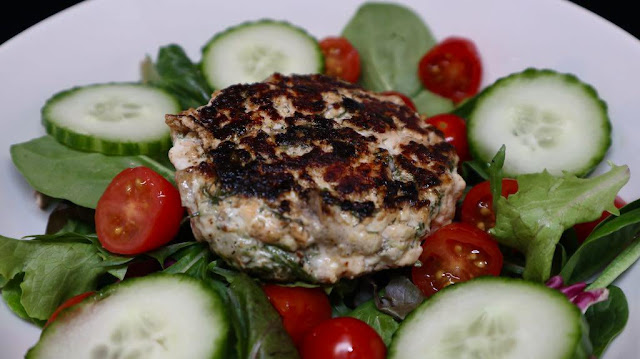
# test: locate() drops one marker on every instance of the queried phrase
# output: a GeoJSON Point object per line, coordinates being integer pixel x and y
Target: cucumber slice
{"type": "Point", "coordinates": [493, 317]}
{"type": "Point", "coordinates": [547, 120]}
{"type": "Point", "coordinates": [158, 316]}
{"type": "Point", "coordinates": [252, 51]}
{"type": "Point", "coordinates": [114, 119]}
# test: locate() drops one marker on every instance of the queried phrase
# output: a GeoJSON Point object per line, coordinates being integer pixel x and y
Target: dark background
{"type": "Point", "coordinates": [26, 13]}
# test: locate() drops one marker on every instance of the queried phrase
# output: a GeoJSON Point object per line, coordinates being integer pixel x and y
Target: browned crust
{"type": "Point", "coordinates": [247, 162]}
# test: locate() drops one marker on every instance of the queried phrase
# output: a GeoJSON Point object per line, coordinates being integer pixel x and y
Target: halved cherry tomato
{"type": "Point", "coordinates": [477, 207]}
{"type": "Point", "coordinates": [341, 59]}
{"type": "Point", "coordinates": [342, 338]}
{"type": "Point", "coordinates": [300, 308]}
{"type": "Point", "coordinates": [455, 253]}
{"type": "Point", "coordinates": [67, 304]}
{"type": "Point", "coordinates": [139, 211]}
{"type": "Point", "coordinates": [455, 132]}
{"type": "Point", "coordinates": [407, 101]}
{"type": "Point", "coordinates": [452, 69]}
{"type": "Point", "coordinates": [583, 230]}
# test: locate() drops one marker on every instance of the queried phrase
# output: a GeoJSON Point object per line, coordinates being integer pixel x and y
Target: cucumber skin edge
{"type": "Point", "coordinates": [88, 143]}
{"type": "Point", "coordinates": [533, 73]}
{"type": "Point", "coordinates": [220, 34]}
{"type": "Point", "coordinates": [582, 348]}
{"type": "Point", "coordinates": [222, 347]}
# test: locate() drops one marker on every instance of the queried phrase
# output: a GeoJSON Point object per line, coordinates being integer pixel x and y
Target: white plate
{"type": "Point", "coordinates": [102, 41]}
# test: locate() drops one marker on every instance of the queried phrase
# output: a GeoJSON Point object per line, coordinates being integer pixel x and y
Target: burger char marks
{"type": "Point", "coordinates": [265, 154]}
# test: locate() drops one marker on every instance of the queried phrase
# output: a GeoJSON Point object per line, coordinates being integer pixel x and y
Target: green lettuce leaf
{"type": "Point", "coordinates": [533, 220]}
{"type": "Point", "coordinates": [174, 72]}
{"type": "Point", "coordinates": [382, 323]}
{"type": "Point", "coordinates": [614, 244]}
{"type": "Point", "coordinates": [607, 319]}
{"type": "Point", "coordinates": [53, 271]}
{"type": "Point", "coordinates": [258, 328]}
{"type": "Point", "coordinates": [495, 175]}
{"type": "Point", "coordinates": [80, 177]}
{"type": "Point", "coordinates": [390, 39]}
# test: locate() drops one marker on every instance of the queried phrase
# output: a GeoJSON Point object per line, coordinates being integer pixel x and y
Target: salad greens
{"type": "Point", "coordinates": [174, 72]}
{"type": "Point", "coordinates": [607, 319]}
{"type": "Point", "coordinates": [51, 269]}
{"type": "Point", "coordinates": [80, 177]}
{"type": "Point", "coordinates": [533, 219]}
{"type": "Point", "coordinates": [391, 39]}
{"type": "Point", "coordinates": [259, 332]}
{"type": "Point", "coordinates": [607, 241]}
{"type": "Point", "coordinates": [383, 323]}
{"type": "Point", "coordinates": [494, 172]}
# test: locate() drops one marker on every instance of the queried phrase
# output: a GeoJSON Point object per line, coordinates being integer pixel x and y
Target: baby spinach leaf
{"type": "Point", "coordinates": [53, 271]}
{"type": "Point", "coordinates": [607, 319]}
{"type": "Point", "coordinates": [391, 39]}
{"type": "Point", "coordinates": [174, 72]}
{"type": "Point", "coordinates": [192, 261]}
{"type": "Point", "coordinates": [382, 323]}
{"type": "Point", "coordinates": [607, 241]}
{"type": "Point", "coordinates": [533, 219]}
{"type": "Point", "coordinates": [161, 254]}
{"type": "Point", "coordinates": [474, 172]}
{"type": "Point", "coordinates": [495, 175]}
{"type": "Point", "coordinates": [11, 293]}
{"type": "Point", "coordinates": [258, 327]}
{"type": "Point", "coordinates": [80, 177]}
{"type": "Point", "coordinates": [431, 104]}
{"type": "Point", "coordinates": [619, 265]}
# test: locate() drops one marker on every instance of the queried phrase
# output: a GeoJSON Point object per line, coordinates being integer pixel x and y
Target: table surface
{"type": "Point", "coordinates": [25, 14]}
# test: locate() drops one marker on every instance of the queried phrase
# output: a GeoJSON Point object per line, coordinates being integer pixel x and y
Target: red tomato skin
{"type": "Point", "coordinates": [443, 264]}
{"type": "Point", "coordinates": [455, 132]}
{"type": "Point", "coordinates": [452, 69]}
{"type": "Point", "coordinates": [341, 59]}
{"type": "Point", "coordinates": [480, 199]}
{"type": "Point", "coordinates": [584, 229]}
{"type": "Point", "coordinates": [342, 338]}
{"type": "Point", "coordinates": [300, 308]}
{"type": "Point", "coordinates": [407, 101]}
{"type": "Point", "coordinates": [139, 211]}
{"type": "Point", "coordinates": [67, 304]}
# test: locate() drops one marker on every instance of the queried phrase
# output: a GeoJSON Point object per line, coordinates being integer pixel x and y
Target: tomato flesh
{"type": "Point", "coordinates": [452, 69]}
{"type": "Point", "coordinates": [341, 59]}
{"type": "Point", "coordinates": [455, 132]}
{"type": "Point", "coordinates": [583, 230]}
{"type": "Point", "coordinates": [67, 304]}
{"type": "Point", "coordinates": [139, 211]}
{"type": "Point", "coordinates": [300, 308]}
{"type": "Point", "coordinates": [343, 338]}
{"type": "Point", "coordinates": [407, 101]}
{"type": "Point", "coordinates": [455, 253]}
{"type": "Point", "coordinates": [477, 207]}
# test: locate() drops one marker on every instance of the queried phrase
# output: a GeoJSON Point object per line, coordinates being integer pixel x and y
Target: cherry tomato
{"type": "Point", "coordinates": [455, 132]}
{"type": "Point", "coordinates": [341, 59]}
{"type": "Point", "coordinates": [300, 308]}
{"type": "Point", "coordinates": [477, 207]}
{"type": "Point", "coordinates": [583, 230]}
{"type": "Point", "coordinates": [407, 101]}
{"type": "Point", "coordinates": [67, 304]}
{"type": "Point", "coordinates": [455, 253]}
{"type": "Point", "coordinates": [452, 69]}
{"type": "Point", "coordinates": [342, 338]}
{"type": "Point", "coordinates": [139, 211]}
